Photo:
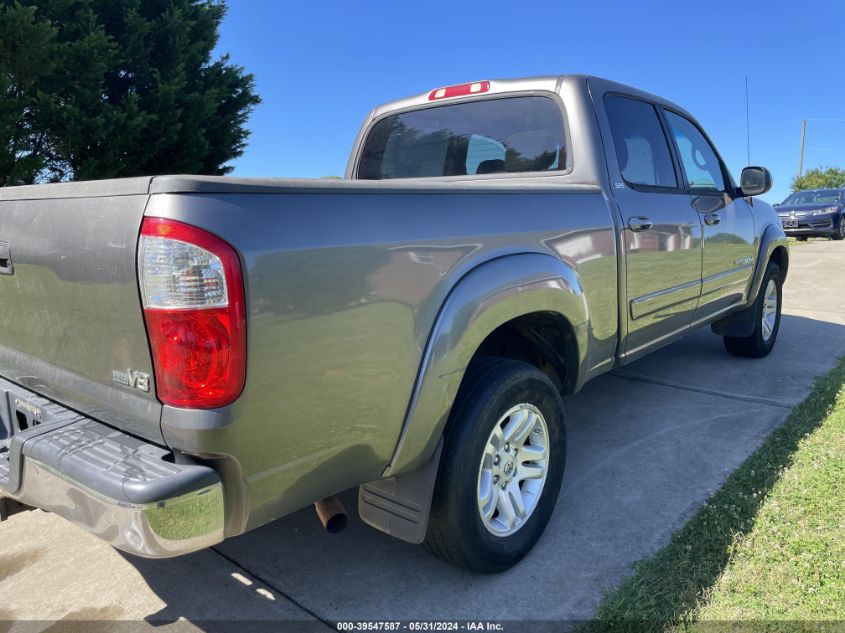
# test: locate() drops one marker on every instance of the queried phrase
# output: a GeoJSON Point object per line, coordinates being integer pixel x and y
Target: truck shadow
{"type": "Point", "coordinates": [646, 450]}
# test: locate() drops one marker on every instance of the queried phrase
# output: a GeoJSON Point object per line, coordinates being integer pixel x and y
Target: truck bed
{"type": "Point", "coordinates": [344, 281]}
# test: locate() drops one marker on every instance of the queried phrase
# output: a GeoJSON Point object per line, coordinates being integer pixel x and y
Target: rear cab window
{"type": "Point", "coordinates": [490, 136]}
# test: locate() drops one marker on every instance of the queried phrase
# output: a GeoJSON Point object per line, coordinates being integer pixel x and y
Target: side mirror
{"type": "Point", "coordinates": [755, 181]}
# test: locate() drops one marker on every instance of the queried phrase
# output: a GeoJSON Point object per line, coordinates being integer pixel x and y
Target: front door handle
{"type": "Point", "coordinates": [712, 219]}
{"type": "Point", "coordinates": [640, 223]}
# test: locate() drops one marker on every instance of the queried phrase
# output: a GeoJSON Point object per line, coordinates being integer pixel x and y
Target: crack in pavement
{"type": "Point", "coordinates": [628, 375]}
{"type": "Point", "coordinates": [264, 581]}
{"type": "Point", "coordinates": [588, 475]}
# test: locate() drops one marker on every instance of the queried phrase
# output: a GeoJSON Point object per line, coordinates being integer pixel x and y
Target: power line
{"type": "Point", "coordinates": [756, 128]}
{"type": "Point", "coordinates": [767, 126]}
{"type": "Point", "coordinates": [818, 149]}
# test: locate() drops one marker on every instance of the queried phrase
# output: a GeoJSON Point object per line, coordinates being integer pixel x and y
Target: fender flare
{"type": "Point", "coordinates": [487, 297]}
{"type": "Point", "coordinates": [741, 323]}
{"type": "Point", "coordinates": [773, 238]}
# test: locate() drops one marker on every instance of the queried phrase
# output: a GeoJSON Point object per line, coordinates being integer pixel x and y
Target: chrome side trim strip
{"type": "Point", "coordinates": [650, 303]}
{"type": "Point", "coordinates": [724, 275]}
{"type": "Point", "coordinates": [647, 304]}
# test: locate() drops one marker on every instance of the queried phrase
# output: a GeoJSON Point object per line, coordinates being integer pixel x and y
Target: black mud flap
{"type": "Point", "coordinates": [739, 324]}
{"type": "Point", "coordinates": [399, 506]}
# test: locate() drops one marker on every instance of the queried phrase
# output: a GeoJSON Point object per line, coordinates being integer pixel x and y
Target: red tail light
{"type": "Point", "coordinates": [193, 296]}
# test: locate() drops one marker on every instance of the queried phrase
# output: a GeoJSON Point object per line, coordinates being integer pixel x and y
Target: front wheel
{"type": "Point", "coordinates": [501, 469]}
{"type": "Point", "coordinates": [840, 233]}
{"type": "Point", "coordinates": [767, 308]}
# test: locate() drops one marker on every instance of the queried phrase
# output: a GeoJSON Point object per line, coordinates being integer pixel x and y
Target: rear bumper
{"type": "Point", "coordinates": [124, 490]}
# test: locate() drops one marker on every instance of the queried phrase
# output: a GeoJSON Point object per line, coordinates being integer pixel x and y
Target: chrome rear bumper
{"type": "Point", "coordinates": [127, 492]}
{"type": "Point", "coordinates": [160, 529]}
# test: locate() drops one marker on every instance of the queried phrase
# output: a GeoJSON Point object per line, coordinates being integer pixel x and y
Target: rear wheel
{"type": "Point", "coordinates": [767, 308]}
{"type": "Point", "coordinates": [501, 469]}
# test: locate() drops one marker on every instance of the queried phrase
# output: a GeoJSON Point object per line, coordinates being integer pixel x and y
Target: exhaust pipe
{"type": "Point", "coordinates": [332, 515]}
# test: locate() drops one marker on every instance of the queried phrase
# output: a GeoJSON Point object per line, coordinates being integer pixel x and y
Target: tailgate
{"type": "Point", "coordinates": [71, 325]}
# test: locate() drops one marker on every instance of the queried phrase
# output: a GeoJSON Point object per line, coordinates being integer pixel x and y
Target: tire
{"type": "Point", "coordinates": [801, 238]}
{"type": "Point", "coordinates": [840, 233]}
{"type": "Point", "coordinates": [457, 533]}
{"type": "Point", "coordinates": [762, 340]}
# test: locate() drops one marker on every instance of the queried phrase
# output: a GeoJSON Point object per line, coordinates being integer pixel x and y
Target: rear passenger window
{"type": "Point", "coordinates": [641, 146]}
{"type": "Point", "coordinates": [508, 135]}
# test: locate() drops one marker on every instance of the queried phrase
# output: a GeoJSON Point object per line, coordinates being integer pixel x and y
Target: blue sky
{"type": "Point", "coordinates": [321, 66]}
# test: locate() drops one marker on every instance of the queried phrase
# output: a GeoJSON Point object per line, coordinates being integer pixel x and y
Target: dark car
{"type": "Point", "coordinates": [814, 213]}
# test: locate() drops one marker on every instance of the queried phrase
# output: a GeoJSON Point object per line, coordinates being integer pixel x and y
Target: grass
{"type": "Point", "coordinates": [794, 242]}
{"type": "Point", "coordinates": [809, 240]}
{"type": "Point", "coordinates": [768, 546]}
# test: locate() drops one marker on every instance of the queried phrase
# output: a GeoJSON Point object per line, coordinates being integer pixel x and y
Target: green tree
{"type": "Point", "coordinates": [114, 88]}
{"type": "Point", "coordinates": [820, 178]}
{"type": "Point", "coordinates": [25, 62]}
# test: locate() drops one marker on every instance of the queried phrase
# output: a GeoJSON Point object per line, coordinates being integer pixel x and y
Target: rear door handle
{"type": "Point", "coordinates": [712, 219]}
{"type": "Point", "coordinates": [640, 223]}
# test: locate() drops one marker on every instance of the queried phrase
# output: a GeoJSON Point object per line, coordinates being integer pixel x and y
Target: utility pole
{"type": "Point", "coordinates": [801, 155]}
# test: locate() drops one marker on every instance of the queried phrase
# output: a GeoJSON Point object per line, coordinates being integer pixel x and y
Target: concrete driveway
{"type": "Point", "coordinates": [647, 444]}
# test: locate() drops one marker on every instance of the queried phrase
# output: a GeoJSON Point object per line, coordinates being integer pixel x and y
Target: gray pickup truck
{"type": "Point", "coordinates": [183, 359]}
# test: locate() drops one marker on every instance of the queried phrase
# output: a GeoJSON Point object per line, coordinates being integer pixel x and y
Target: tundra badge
{"type": "Point", "coordinates": [132, 378]}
